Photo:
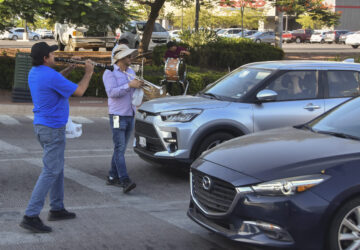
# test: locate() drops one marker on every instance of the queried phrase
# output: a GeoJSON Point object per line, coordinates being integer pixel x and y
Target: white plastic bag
{"type": "Point", "coordinates": [73, 130]}
{"type": "Point", "coordinates": [137, 97]}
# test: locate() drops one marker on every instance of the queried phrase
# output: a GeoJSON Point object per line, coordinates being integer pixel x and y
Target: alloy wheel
{"type": "Point", "coordinates": [349, 230]}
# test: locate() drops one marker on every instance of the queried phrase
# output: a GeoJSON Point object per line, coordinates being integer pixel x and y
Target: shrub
{"type": "Point", "coordinates": [225, 53]}
{"type": "Point", "coordinates": [7, 68]}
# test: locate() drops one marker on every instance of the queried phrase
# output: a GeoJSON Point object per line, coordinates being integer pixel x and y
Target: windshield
{"type": "Point", "coordinates": [344, 119]}
{"type": "Point", "coordinates": [238, 83]}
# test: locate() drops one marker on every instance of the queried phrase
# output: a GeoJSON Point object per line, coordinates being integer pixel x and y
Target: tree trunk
{"type": "Point", "coordinates": [279, 28]}
{"type": "Point", "coordinates": [25, 34]}
{"type": "Point", "coordinates": [242, 21]}
{"type": "Point", "coordinates": [154, 13]}
{"type": "Point", "coordinates": [197, 12]}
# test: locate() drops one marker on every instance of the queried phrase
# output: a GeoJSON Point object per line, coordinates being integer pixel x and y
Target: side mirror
{"type": "Point", "coordinates": [266, 95]}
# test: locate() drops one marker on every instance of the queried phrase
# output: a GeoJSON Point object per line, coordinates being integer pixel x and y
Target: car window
{"type": "Point", "coordinates": [238, 83]}
{"type": "Point", "coordinates": [295, 85]}
{"type": "Point", "coordinates": [158, 28]}
{"type": "Point", "coordinates": [343, 83]}
{"type": "Point", "coordinates": [343, 119]}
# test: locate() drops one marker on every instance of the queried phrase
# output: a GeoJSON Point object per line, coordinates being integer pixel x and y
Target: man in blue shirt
{"type": "Point", "coordinates": [50, 91]}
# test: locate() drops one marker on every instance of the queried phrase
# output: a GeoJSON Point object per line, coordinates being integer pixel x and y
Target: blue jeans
{"type": "Point", "coordinates": [52, 140]}
{"type": "Point", "coordinates": [121, 138]}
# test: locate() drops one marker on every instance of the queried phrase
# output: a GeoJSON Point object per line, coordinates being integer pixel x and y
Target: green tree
{"type": "Point", "coordinates": [96, 13]}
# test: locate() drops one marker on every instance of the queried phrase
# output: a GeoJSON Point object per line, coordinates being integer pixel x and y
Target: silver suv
{"type": "Point", "coordinates": [254, 97]}
{"type": "Point", "coordinates": [134, 30]}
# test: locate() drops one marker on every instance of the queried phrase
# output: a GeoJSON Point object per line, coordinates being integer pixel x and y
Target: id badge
{"type": "Point", "coordinates": [116, 121]}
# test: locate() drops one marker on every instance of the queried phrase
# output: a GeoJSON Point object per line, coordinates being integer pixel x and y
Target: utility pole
{"type": "Point", "coordinates": [197, 10]}
{"type": "Point", "coordinates": [279, 15]}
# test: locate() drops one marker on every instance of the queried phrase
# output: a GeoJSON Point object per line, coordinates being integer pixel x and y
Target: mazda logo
{"type": "Point", "coordinates": [206, 183]}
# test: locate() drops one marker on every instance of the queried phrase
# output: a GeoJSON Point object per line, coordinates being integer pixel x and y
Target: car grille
{"type": "Point", "coordinates": [159, 40]}
{"type": "Point", "coordinates": [217, 199]}
{"type": "Point", "coordinates": [147, 130]}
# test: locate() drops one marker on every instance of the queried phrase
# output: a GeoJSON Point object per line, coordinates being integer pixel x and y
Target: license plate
{"type": "Point", "coordinates": [109, 45]}
{"type": "Point", "coordinates": [142, 141]}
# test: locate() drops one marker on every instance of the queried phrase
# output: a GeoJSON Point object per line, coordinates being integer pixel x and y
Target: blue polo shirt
{"type": "Point", "coordinates": [50, 92]}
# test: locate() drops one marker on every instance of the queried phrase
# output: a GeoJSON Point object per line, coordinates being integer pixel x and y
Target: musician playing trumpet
{"type": "Point", "coordinates": [120, 85]}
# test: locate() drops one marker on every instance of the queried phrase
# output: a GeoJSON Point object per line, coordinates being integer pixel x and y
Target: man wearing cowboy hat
{"type": "Point", "coordinates": [50, 91]}
{"type": "Point", "coordinates": [120, 87]}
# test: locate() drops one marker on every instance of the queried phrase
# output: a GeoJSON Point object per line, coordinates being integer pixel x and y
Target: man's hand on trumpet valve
{"type": "Point", "coordinates": [135, 83]}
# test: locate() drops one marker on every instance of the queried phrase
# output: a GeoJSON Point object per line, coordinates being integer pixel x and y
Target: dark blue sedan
{"type": "Point", "coordinates": [294, 187]}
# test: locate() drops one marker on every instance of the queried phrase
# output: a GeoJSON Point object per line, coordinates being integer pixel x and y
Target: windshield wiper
{"type": "Point", "coordinates": [212, 95]}
{"type": "Point", "coordinates": [338, 134]}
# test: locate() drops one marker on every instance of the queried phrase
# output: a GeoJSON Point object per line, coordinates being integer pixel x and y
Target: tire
{"type": "Point", "coordinates": [258, 41]}
{"type": "Point", "coordinates": [212, 141]}
{"type": "Point", "coordinates": [35, 38]}
{"type": "Point", "coordinates": [298, 40]}
{"type": "Point", "coordinates": [95, 49]}
{"type": "Point", "coordinates": [14, 37]}
{"type": "Point", "coordinates": [347, 213]}
{"type": "Point", "coordinates": [60, 45]}
{"type": "Point", "coordinates": [322, 41]}
{"type": "Point", "coordinates": [355, 46]}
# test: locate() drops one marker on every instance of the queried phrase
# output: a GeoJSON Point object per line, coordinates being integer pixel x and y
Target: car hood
{"type": "Point", "coordinates": [282, 153]}
{"type": "Point", "coordinates": [181, 102]}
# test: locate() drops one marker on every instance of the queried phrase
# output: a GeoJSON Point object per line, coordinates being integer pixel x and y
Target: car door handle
{"type": "Point", "coordinates": [311, 106]}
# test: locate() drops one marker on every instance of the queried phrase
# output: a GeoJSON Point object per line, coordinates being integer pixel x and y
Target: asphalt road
{"type": "Point", "coordinates": [152, 216]}
{"type": "Point", "coordinates": [288, 47]}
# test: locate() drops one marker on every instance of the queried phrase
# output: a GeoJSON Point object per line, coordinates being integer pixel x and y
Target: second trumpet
{"type": "Point", "coordinates": [151, 90]}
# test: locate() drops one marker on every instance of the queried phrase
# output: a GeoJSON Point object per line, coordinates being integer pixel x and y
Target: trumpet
{"type": "Point", "coordinates": [150, 88]}
{"type": "Point", "coordinates": [101, 65]}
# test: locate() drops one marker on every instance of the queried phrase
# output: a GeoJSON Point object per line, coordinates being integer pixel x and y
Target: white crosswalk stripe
{"type": "Point", "coordinates": [8, 120]}
{"type": "Point", "coordinates": [81, 119]}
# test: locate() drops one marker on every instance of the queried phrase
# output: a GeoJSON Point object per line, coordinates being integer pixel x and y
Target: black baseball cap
{"type": "Point", "coordinates": [41, 49]}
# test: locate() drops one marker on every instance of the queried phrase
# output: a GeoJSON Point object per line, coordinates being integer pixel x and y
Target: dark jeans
{"type": "Point", "coordinates": [121, 138]}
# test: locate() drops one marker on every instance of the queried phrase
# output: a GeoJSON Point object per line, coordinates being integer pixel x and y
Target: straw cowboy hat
{"type": "Point", "coordinates": [120, 52]}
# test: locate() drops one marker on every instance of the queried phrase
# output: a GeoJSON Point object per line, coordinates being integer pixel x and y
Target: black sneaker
{"type": "Point", "coordinates": [34, 224]}
{"type": "Point", "coordinates": [114, 181]}
{"type": "Point", "coordinates": [60, 215]}
{"type": "Point", "coordinates": [128, 185]}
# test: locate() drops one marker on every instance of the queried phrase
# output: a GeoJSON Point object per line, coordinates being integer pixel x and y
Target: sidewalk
{"type": "Point", "coordinates": [79, 106]}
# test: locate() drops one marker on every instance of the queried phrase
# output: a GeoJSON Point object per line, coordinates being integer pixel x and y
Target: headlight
{"type": "Point", "coordinates": [185, 115]}
{"type": "Point", "coordinates": [289, 186]}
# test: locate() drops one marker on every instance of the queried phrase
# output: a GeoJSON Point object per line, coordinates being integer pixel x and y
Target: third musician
{"type": "Point", "coordinates": [120, 87]}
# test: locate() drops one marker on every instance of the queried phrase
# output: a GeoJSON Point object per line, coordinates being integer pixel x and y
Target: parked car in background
{"type": "Point", "coordinates": [134, 30]}
{"type": "Point", "coordinates": [343, 37]}
{"type": "Point", "coordinates": [318, 37]}
{"type": "Point", "coordinates": [45, 33]}
{"type": "Point", "coordinates": [263, 37]}
{"type": "Point", "coordinates": [334, 35]}
{"type": "Point", "coordinates": [230, 32]}
{"type": "Point", "coordinates": [254, 97]}
{"type": "Point", "coordinates": [294, 187]}
{"type": "Point", "coordinates": [353, 40]}
{"type": "Point", "coordinates": [17, 33]}
{"type": "Point", "coordinates": [71, 37]}
{"type": "Point", "coordinates": [174, 35]}
{"type": "Point", "coordinates": [286, 37]}
{"type": "Point", "coordinates": [246, 33]}
{"type": "Point", "coordinates": [300, 35]}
